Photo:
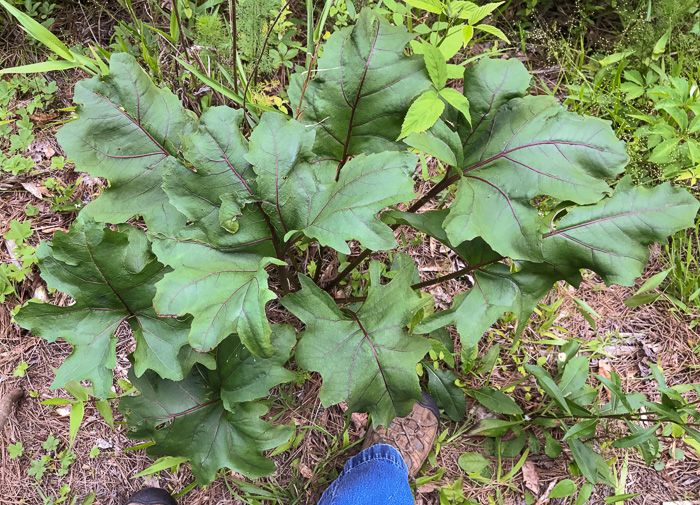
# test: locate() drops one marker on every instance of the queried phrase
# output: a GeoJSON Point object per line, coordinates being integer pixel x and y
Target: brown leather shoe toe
{"type": "Point", "coordinates": [413, 436]}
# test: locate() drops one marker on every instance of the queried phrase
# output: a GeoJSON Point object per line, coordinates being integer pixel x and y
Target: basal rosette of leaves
{"type": "Point", "coordinates": [225, 214]}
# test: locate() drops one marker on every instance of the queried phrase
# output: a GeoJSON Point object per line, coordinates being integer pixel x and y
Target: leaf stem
{"type": "Point", "coordinates": [281, 270]}
{"type": "Point", "coordinates": [353, 264]}
{"type": "Point", "coordinates": [234, 40]}
{"type": "Point", "coordinates": [436, 280]}
{"type": "Point", "coordinates": [454, 275]}
{"type": "Point", "coordinates": [317, 273]}
{"type": "Point", "coordinates": [306, 81]}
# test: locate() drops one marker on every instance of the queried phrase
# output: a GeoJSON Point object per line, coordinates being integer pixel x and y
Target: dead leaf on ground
{"type": "Point", "coordinates": [35, 189]}
{"type": "Point", "coordinates": [429, 487]}
{"type": "Point", "coordinates": [305, 471]}
{"type": "Point", "coordinates": [531, 476]}
{"type": "Point", "coordinates": [543, 498]}
{"type": "Point", "coordinates": [359, 420]}
{"type": "Point", "coordinates": [41, 118]}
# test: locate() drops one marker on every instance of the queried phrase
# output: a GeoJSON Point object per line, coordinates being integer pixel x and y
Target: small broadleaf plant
{"type": "Point", "coordinates": [227, 216]}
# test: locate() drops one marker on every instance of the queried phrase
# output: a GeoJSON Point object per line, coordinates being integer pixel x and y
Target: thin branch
{"type": "Point", "coordinates": [353, 264]}
{"type": "Point", "coordinates": [281, 270]}
{"type": "Point", "coordinates": [434, 191]}
{"type": "Point", "coordinates": [454, 275]}
{"type": "Point", "coordinates": [446, 181]}
{"type": "Point", "coordinates": [436, 280]}
{"type": "Point", "coordinates": [306, 80]}
{"type": "Point", "coordinates": [319, 266]}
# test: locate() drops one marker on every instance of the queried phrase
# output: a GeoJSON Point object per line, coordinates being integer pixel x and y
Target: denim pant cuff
{"type": "Point", "coordinates": [377, 475]}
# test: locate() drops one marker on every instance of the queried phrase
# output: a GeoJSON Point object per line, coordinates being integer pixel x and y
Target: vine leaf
{"type": "Point", "coordinates": [300, 195]}
{"type": "Point", "coordinates": [363, 86]}
{"type": "Point", "coordinates": [422, 114]}
{"type": "Point", "coordinates": [245, 377]}
{"type": "Point", "coordinates": [612, 236]}
{"type": "Point", "coordinates": [440, 142]}
{"type": "Point", "coordinates": [188, 419]}
{"type": "Point", "coordinates": [127, 128]}
{"type": "Point", "coordinates": [366, 358]}
{"type": "Point", "coordinates": [496, 291]}
{"type": "Point", "coordinates": [224, 292]}
{"type": "Point", "coordinates": [111, 275]}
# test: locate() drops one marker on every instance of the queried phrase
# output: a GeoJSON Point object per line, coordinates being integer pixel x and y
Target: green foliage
{"type": "Point", "coordinates": [68, 58]}
{"type": "Point", "coordinates": [254, 17]}
{"type": "Point", "coordinates": [15, 450]}
{"type": "Point", "coordinates": [20, 97]}
{"type": "Point", "coordinates": [23, 254]}
{"type": "Point", "coordinates": [566, 398]}
{"type": "Point", "coordinates": [683, 269]}
{"type": "Point", "coordinates": [227, 218]}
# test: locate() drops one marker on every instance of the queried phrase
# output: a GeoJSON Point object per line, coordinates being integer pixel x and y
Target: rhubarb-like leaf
{"type": "Point", "coordinates": [496, 291]}
{"type": "Point", "coordinates": [534, 147]}
{"type": "Point", "coordinates": [127, 128]}
{"type": "Point", "coordinates": [245, 377]}
{"type": "Point", "coordinates": [301, 195]}
{"type": "Point", "coordinates": [206, 200]}
{"type": "Point", "coordinates": [366, 358]}
{"type": "Point", "coordinates": [362, 87]}
{"type": "Point", "coordinates": [187, 419]}
{"type": "Point", "coordinates": [612, 236]}
{"type": "Point", "coordinates": [224, 292]}
{"type": "Point", "coordinates": [111, 275]}
{"type": "Point", "coordinates": [489, 84]}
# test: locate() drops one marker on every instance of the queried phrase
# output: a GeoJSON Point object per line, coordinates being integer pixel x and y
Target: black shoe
{"type": "Point", "coordinates": [151, 496]}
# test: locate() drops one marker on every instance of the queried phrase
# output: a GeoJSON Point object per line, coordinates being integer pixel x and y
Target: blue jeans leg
{"type": "Point", "coordinates": [376, 476]}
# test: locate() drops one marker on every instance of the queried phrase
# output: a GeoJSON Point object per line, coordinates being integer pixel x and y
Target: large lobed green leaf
{"type": "Point", "coordinates": [224, 292]}
{"type": "Point", "coordinates": [127, 128]}
{"type": "Point", "coordinates": [533, 147]}
{"type": "Point", "coordinates": [367, 357]}
{"type": "Point", "coordinates": [111, 275]}
{"type": "Point", "coordinates": [362, 87]}
{"type": "Point", "coordinates": [209, 417]}
{"type": "Point", "coordinates": [217, 276]}
{"type": "Point", "coordinates": [612, 236]}
{"type": "Point", "coordinates": [302, 195]}
{"type": "Point", "coordinates": [496, 290]}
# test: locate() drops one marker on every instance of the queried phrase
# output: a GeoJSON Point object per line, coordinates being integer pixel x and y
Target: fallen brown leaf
{"type": "Point", "coordinates": [531, 477]}
{"type": "Point", "coordinates": [40, 118]}
{"type": "Point", "coordinates": [604, 369]}
{"type": "Point", "coordinates": [429, 487]}
{"type": "Point", "coordinates": [35, 189]}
